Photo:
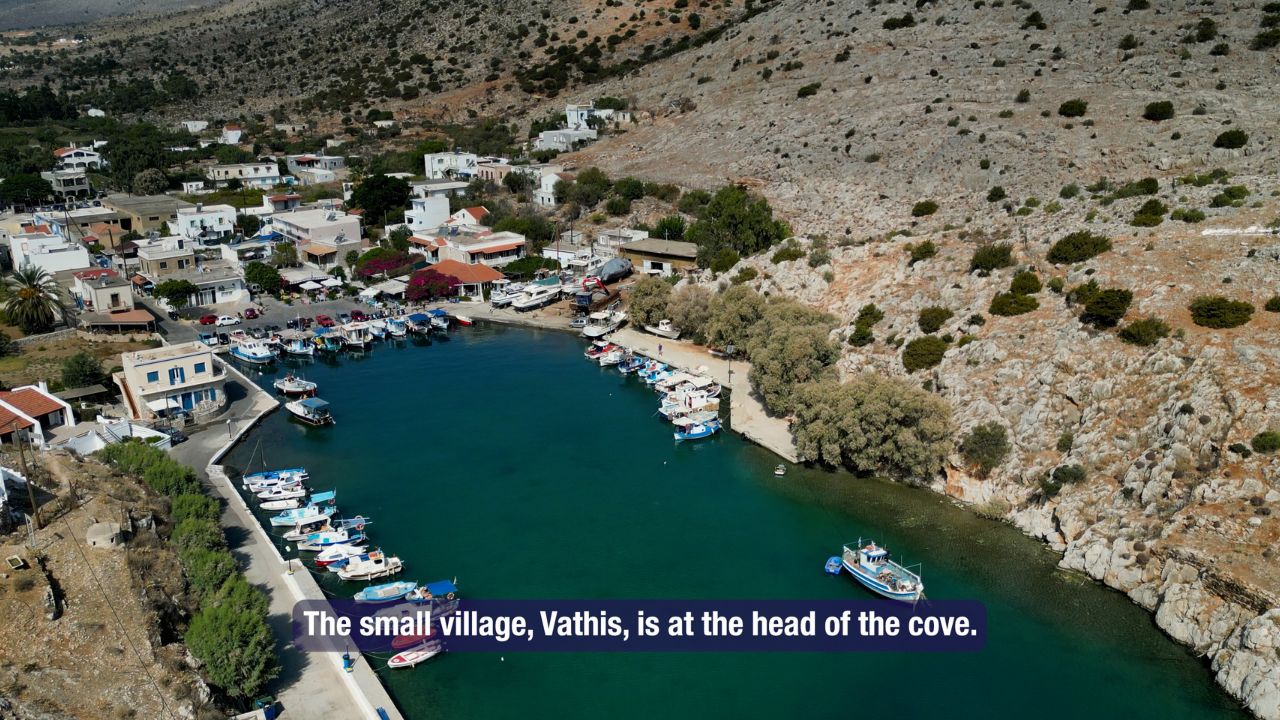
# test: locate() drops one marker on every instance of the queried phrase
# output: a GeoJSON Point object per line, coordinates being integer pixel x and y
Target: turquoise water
{"type": "Point", "coordinates": [500, 456]}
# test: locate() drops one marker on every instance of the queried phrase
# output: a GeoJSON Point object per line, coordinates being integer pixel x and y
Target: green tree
{"type": "Point", "coordinates": [629, 188]}
{"type": "Point", "coordinates": [1078, 247]}
{"type": "Point", "coordinates": [737, 220]}
{"type": "Point", "coordinates": [248, 224]}
{"type": "Point", "coordinates": [986, 446]}
{"type": "Point", "coordinates": [151, 181]}
{"type": "Point", "coordinates": [648, 301]}
{"type": "Point", "coordinates": [690, 309]}
{"type": "Point", "coordinates": [732, 315]}
{"type": "Point", "coordinates": [235, 648]}
{"type": "Point", "coordinates": [177, 293]}
{"type": "Point", "coordinates": [82, 370]}
{"type": "Point", "coordinates": [399, 238]}
{"type": "Point", "coordinates": [923, 353]}
{"type": "Point", "coordinates": [789, 346]}
{"type": "Point", "coordinates": [671, 227]}
{"type": "Point", "coordinates": [25, 189]}
{"type": "Point", "coordinates": [382, 197]}
{"type": "Point", "coordinates": [284, 254]}
{"type": "Point", "coordinates": [1106, 307]}
{"type": "Point", "coordinates": [991, 257]}
{"type": "Point", "coordinates": [263, 275]}
{"type": "Point", "coordinates": [36, 301]}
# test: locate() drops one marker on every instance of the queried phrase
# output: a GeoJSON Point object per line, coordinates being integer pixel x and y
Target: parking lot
{"type": "Point", "coordinates": [271, 313]}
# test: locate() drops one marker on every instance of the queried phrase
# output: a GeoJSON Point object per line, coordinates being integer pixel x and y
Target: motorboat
{"type": "Point", "coordinates": [311, 410]}
{"type": "Point", "coordinates": [870, 565]}
{"type": "Point", "coordinates": [284, 492]}
{"type": "Point", "coordinates": [602, 323]}
{"type": "Point", "coordinates": [439, 320]}
{"type": "Point", "coordinates": [293, 385]}
{"type": "Point", "coordinates": [338, 552]}
{"type": "Point", "coordinates": [388, 592]}
{"type": "Point", "coordinates": [357, 335]}
{"type": "Point", "coordinates": [665, 329]}
{"type": "Point", "coordinates": [371, 568]}
{"type": "Point", "coordinates": [319, 541]}
{"type": "Point", "coordinates": [253, 351]}
{"type": "Point", "coordinates": [504, 293]}
{"type": "Point", "coordinates": [419, 323]}
{"type": "Point", "coordinates": [302, 515]}
{"type": "Point", "coordinates": [612, 357]}
{"type": "Point", "coordinates": [535, 297]}
{"type": "Point", "coordinates": [440, 594]}
{"type": "Point", "coordinates": [272, 478]}
{"type": "Point", "coordinates": [631, 364]}
{"type": "Point", "coordinates": [688, 429]}
{"type": "Point", "coordinates": [285, 504]}
{"type": "Point", "coordinates": [780, 470]}
{"type": "Point", "coordinates": [464, 320]}
{"type": "Point", "coordinates": [397, 327]}
{"type": "Point", "coordinates": [299, 346]}
{"type": "Point", "coordinates": [410, 658]}
{"type": "Point", "coordinates": [833, 566]}
{"type": "Point", "coordinates": [378, 329]}
{"type": "Point", "coordinates": [328, 341]}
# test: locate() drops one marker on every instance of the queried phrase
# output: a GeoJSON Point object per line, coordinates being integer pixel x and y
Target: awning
{"type": "Point", "coordinates": [496, 249]}
{"type": "Point", "coordinates": [164, 404]}
{"type": "Point", "coordinates": [309, 285]}
{"type": "Point", "coordinates": [331, 282]}
{"type": "Point", "coordinates": [370, 292]}
{"type": "Point", "coordinates": [391, 287]}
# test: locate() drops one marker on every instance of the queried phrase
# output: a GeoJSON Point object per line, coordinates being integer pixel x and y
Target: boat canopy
{"type": "Point", "coordinates": [702, 382]}
{"type": "Point", "coordinates": [314, 403]}
{"type": "Point", "coordinates": [419, 318]}
{"type": "Point", "coordinates": [323, 496]}
{"type": "Point", "coordinates": [437, 313]}
{"type": "Point", "coordinates": [441, 588]}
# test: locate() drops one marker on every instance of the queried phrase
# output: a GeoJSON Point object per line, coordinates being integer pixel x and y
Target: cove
{"type": "Point", "coordinates": [502, 457]}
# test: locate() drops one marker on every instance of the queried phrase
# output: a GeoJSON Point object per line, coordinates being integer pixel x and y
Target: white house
{"type": "Point", "coordinates": [48, 252]}
{"type": "Point", "coordinates": [194, 126]}
{"type": "Point", "coordinates": [609, 241]}
{"type": "Point", "coordinates": [324, 237]}
{"type": "Point", "coordinates": [384, 123]}
{"type": "Point", "coordinates": [450, 165]}
{"type": "Point", "coordinates": [67, 183]}
{"type": "Point", "coordinates": [576, 117]}
{"type": "Point", "coordinates": [468, 216]}
{"type": "Point", "coordinates": [193, 187]}
{"type": "Point", "coordinates": [470, 245]}
{"type": "Point", "coordinates": [231, 135]}
{"type": "Point", "coordinates": [441, 188]}
{"type": "Point", "coordinates": [182, 376]}
{"type": "Point", "coordinates": [427, 212]}
{"type": "Point", "coordinates": [34, 409]}
{"type": "Point", "coordinates": [315, 169]}
{"type": "Point", "coordinates": [206, 224]}
{"type": "Point", "coordinates": [563, 140]}
{"type": "Point", "coordinates": [259, 174]}
{"type": "Point", "coordinates": [108, 431]}
{"type": "Point", "coordinates": [545, 195]}
{"type": "Point", "coordinates": [78, 158]}
{"type": "Point", "coordinates": [95, 112]}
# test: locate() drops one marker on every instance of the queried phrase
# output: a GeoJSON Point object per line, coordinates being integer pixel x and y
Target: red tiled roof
{"type": "Point", "coordinates": [139, 280]}
{"type": "Point", "coordinates": [62, 152]}
{"type": "Point", "coordinates": [7, 424]}
{"type": "Point", "coordinates": [30, 401]}
{"type": "Point", "coordinates": [495, 249]}
{"type": "Point", "coordinates": [466, 273]}
{"type": "Point", "coordinates": [478, 212]}
{"type": "Point", "coordinates": [95, 274]}
{"type": "Point", "coordinates": [427, 242]}
{"type": "Point", "coordinates": [282, 197]}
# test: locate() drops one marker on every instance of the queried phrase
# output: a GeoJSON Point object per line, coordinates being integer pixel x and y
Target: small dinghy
{"type": "Point", "coordinates": [463, 320]}
{"type": "Point", "coordinates": [780, 470]}
{"type": "Point", "coordinates": [833, 565]}
{"type": "Point", "coordinates": [293, 385]}
{"type": "Point", "coordinates": [409, 658]}
{"type": "Point", "coordinates": [390, 592]}
{"type": "Point", "coordinates": [338, 553]}
{"type": "Point", "coordinates": [288, 504]}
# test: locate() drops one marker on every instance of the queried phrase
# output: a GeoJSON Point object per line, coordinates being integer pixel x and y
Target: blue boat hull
{"type": "Point", "coordinates": [880, 588]}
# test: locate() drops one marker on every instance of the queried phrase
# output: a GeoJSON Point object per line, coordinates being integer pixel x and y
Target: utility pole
{"type": "Point", "coordinates": [20, 436]}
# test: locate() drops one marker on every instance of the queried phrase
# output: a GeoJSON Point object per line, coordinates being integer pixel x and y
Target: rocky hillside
{"type": "Point", "coordinates": [958, 131]}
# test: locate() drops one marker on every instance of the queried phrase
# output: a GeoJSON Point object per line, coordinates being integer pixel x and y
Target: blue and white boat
{"type": "Point", "coordinates": [442, 594]}
{"type": "Point", "coordinates": [303, 515]}
{"type": "Point", "coordinates": [419, 323]}
{"type": "Point", "coordinates": [397, 327]}
{"type": "Point", "coordinates": [387, 592]}
{"type": "Point", "coordinates": [253, 351]}
{"type": "Point", "coordinates": [327, 340]}
{"type": "Point", "coordinates": [870, 565]}
{"type": "Point", "coordinates": [274, 478]}
{"type": "Point", "coordinates": [690, 429]}
{"type": "Point", "coordinates": [311, 410]}
{"type": "Point", "coordinates": [299, 346]}
{"type": "Point", "coordinates": [338, 553]}
{"type": "Point", "coordinates": [439, 320]}
{"type": "Point", "coordinates": [317, 541]}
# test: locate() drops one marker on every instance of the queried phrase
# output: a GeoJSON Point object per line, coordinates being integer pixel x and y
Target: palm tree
{"type": "Point", "coordinates": [35, 300]}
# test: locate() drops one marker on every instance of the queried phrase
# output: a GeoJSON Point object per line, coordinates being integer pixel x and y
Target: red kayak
{"type": "Point", "coordinates": [407, 641]}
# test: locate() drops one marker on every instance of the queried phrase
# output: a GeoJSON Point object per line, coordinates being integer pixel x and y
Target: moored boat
{"type": "Point", "coordinates": [397, 327]}
{"type": "Point", "coordinates": [293, 385]}
{"type": "Point", "coordinates": [338, 552]}
{"type": "Point", "coordinates": [318, 541]}
{"type": "Point", "coordinates": [439, 320]}
{"type": "Point", "coordinates": [356, 335]}
{"type": "Point", "coordinates": [688, 429]}
{"type": "Point", "coordinates": [870, 565]}
{"type": "Point", "coordinates": [378, 329]}
{"type": "Point", "coordinates": [284, 492]}
{"type": "Point", "coordinates": [252, 351]}
{"type": "Point", "coordinates": [311, 410]}
{"type": "Point", "coordinates": [780, 470]}
{"type": "Point", "coordinates": [388, 592]}
{"type": "Point", "coordinates": [272, 478]}
{"type": "Point", "coordinates": [442, 594]}
{"type": "Point", "coordinates": [371, 568]}
{"type": "Point", "coordinates": [598, 348]}
{"type": "Point", "coordinates": [463, 320]}
{"type": "Point", "coordinates": [664, 328]}
{"type": "Point", "coordinates": [410, 658]}
{"type": "Point", "coordinates": [419, 323]}
{"type": "Point", "coordinates": [302, 516]}
{"type": "Point", "coordinates": [613, 357]}
{"type": "Point", "coordinates": [602, 323]}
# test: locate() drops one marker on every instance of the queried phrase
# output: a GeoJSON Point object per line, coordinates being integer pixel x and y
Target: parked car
{"type": "Point", "coordinates": [208, 319]}
{"type": "Point", "coordinates": [324, 321]}
{"type": "Point", "coordinates": [208, 338]}
{"type": "Point", "coordinates": [294, 323]}
{"type": "Point", "coordinates": [175, 435]}
{"type": "Point", "coordinates": [224, 339]}
{"type": "Point", "coordinates": [578, 322]}
{"type": "Point", "coordinates": [258, 333]}
{"type": "Point", "coordinates": [224, 320]}
{"type": "Point", "coordinates": [358, 315]}
{"type": "Point", "coordinates": [344, 318]}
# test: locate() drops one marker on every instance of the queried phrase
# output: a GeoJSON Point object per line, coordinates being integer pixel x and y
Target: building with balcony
{"type": "Point", "coordinates": [206, 224]}
{"type": "Point", "coordinates": [158, 381]}
{"type": "Point", "coordinates": [67, 183]}
{"type": "Point", "coordinates": [262, 175]}
{"type": "Point", "coordinates": [47, 251]}
{"type": "Point", "coordinates": [324, 237]}
{"type": "Point", "coordinates": [78, 158]}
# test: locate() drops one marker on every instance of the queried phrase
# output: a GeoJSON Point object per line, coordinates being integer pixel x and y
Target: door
{"type": "Point", "coordinates": [177, 376]}
{"type": "Point", "coordinates": [187, 403]}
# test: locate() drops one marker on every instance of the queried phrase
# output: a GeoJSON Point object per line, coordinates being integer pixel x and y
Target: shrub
{"type": "Point", "coordinates": [198, 533]}
{"type": "Point", "coordinates": [189, 506]}
{"type": "Point", "coordinates": [1056, 284]}
{"type": "Point", "coordinates": [1069, 191]}
{"type": "Point", "coordinates": [1157, 111]}
{"type": "Point", "coordinates": [992, 257]}
{"type": "Point", "coordinates": [1073, 108]}
{"type": "Point", "coordinates": [724, 260]}
{"type": "Point", "coordinates": [996, 194]}
{"type": "Point", "coordinates": [1187, 215]}
{"type": "Point", "coordinates": [206, 569]}
{"type": "Point", "coordinates": [808, 90]}
{"type": "Point", "coordinates": [1220, 50]}
{"type": "Point", "coordinates": [1150, 214]}
{"type": "Point", "coordinates": [986, 446]}
{"type": "Point", "coordinates": [170, 478]}
{"type": "Point", "coordinates": [923, 353]}
{"type": "Point", "coordinates": [1011, 304]}
{"type": "Point", "coordinates": [1024, 96]}
{"type": "Point", "coordinates": [786, 253]}
{"type": "Point", "coordinates": [1147, 331]}
{"type": "Point", "coordinates": [861, 336]}
{"type": "Point", "coordinates": [819, 257]}
{"type": "Point", "coordinates": [647, 303]}
{"type": "Point", "coordinates": [1215, 311]}
{"type": "Point", "coordinates": [1266, 442]}
{"type": "Point", "coordinates": [922, 251]}
{"type": "Point", "coordinates": [933, 318]}
{"type": "Point", "coordinates": [869, 315]}
{"type": "Point", "coordinates": [1025, 283]}
{"type": "Point", "coordinates": [1065, 441]}
{"type": "Point", "coordinates": [1265, 40]}
{"type": "Point", "coordinates": [746, 274]}
{"type": "Point", "coordinates": [235, 648]}
{"type": "Point", "coordinates": [1273, 304]}
{"type": "Point", "coordinates": [924, 208]}
{"type": "Point", "coordinates": [1078, 247]}
{"type": "Point", "coordinates": [1231, 139]}
{"type": "Point", "coordinates": [618, 205]}
{"type": "Point", "coordinates": [1106, 307]}
{"type": "Point", "coordinates": [1231, 196]}
{"type": "Point", "coordinates": [898, 23]}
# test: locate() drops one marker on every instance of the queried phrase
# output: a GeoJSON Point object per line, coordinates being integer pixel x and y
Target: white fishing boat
{"type": "Point", "coordinates": [302, 516]}
{"type": "Point", "coordinates": [602, 323]}
{"type": "Point", "coordinates": [536, 296]}
{"type": "Point", "coordinates": [357, 335]}
{"type": "Point", "coordinates": [337, 553]}
{"type": "Point", "coordinates": [870, 565]}
{"type": "Point", "coordinates": [311, 410]}
{"type": "Point", "coordinates": [273, 478]}
{"type": "Point", "coordinates": [378, 329]}
{"type": "Point", "coordinates": [293, 385]}
{"type": "Point", "coordinates": [318, 541]}
{"type": "Point", "coordinates": [613, 357]}
{"type": "Point", "coordinates": [420, 654]}
{"type": "Point", "coordinates": [665, 329]}
{"type": "Point", "coordinates": [371, 568]}
{"type": "Point", "coordinates": [283, 493]}
{"type": "Point", "coordinates": [504, 293]}
{"type": "Point", "coordinates": [253, 351]}
{"type": "Point", "coordinates": [397, 327]}
{"type": "Point", "coordinates": [299, 346]}
{"type": "Point", "coordinates": [286, 504]}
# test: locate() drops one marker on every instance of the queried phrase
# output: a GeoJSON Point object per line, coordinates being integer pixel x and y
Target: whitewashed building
{"type": "Point", "coordinates": [78, 158]}
{"type": "Point", "coordinates": [450, 165]}
{"type": "Point", "coordinates": [48, 252]}
{"type": "Point", "coordinates": [259, 174]}
{"type": "Point", "coordinates": [425, 213]}
{"type": "Point", "coordinates": [206, 224]}
{"type": "Point", "coordinates": [563, 140]}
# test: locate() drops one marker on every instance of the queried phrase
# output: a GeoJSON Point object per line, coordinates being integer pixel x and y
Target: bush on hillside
{"type": "Point", "coordinates": [1266, 442]}
{"type": "Point", "coordinates": [986, 446]}
{"type": "Point", "coordinates": [1011, 304]}
{"type": "Point", "coordinates": [1157, 111]}
{"type": "Point", "coordinates": [1215, 311]}
{"type": "Point", "coordinates": [1073, 108]}
{"type": "Point", "coordinates": [922, 251]}
{"type": "Point", "coordinates": [1025, 283]}
{"type": "Point", "coordinates": [924, 208]}
{"type": "Point", "coordinates": [1147, 331]}
{"type": "Point", "coordinates": [1106, 307]}
{"type": "Point", "coordinates": [1077, 247]}
{"type": "Point", "coordinates": [1231, 139]}
{"type": "Point", "coordinates": [991, 257]}
{"type": "Point", "coordinates": [923, 353]}
{"type": "Point", "coordinates": [933, 318]}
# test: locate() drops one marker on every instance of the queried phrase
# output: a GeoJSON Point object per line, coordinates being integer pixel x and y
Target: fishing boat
{"type": "Point", "coordinates": [535, 297]}
{"type": "Point", "coordinates": [371, 568]}
{"type": "Point", "coordinates": [419, 323]}
{"type": "Point", "coordinates": [259, 486]}
{"type": "Point", "coordinates": [378, 329]}
{"type": "Point", "coordinates": [318, 541]}
{"type": "Point", "coordinates": [283, 492]}
{"type": "Point", "coordinates": [598, 348]}
{"type": "Point", "coordinates": [602, 323]}
{"type": "Point", "coordinates": [463, 320]}
{"type": "Point", "coordinates": [410, 658]}
{"type": "Point", "coordinates": [613, 357]}
{"type": "Point", "coordinates": [285, 504]}
{"type": "Point", "coordinates": [252, 351]}
{"type": "Point", "coordinates": [440, 593]}
{"type": "Point", "coordinates": [273, 478]}
{"type": "Point", "coordinates": [504, 293]}
{"type": "Point", "coordinates": [780, 470]}
{"type": "Point", "coordinates": [328, 341]}
{"type": "Point", "coordinates": [356, 335]}
{"type": "Point", "coordinates": [338, 553]}
{"type": "Point", "coordinates": [311, 410]}
{"type": "Point", "coordinates": [397, 327]}
{"type": "Point", "coordinates": [302, 515]}
{"type": "Point", "coordinates": [389, 592]}
{"type": "Point", "coordinates": [631, 365]}
{"type": "Point", "coordinates": [293, 385]}
{"type": "Point", "coordinates": [439, 320]}
{"type": "Point", "coordinates": [299, 346]}
{"type": "Point", "coordinates": [870, 565]}
{"type": "Point", "coordinates": [688, 429]}
{"type": "Point", "coordinates": [664, 328]}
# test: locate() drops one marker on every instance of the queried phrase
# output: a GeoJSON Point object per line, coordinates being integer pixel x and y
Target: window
{"type": "Point", "coordinates": [213, 394]}
{"type": "Point", "coordinates": [153, 376]}
{"type": "Point", "coordinates": [199, 367]}
{"type": "Point", "coordinates": [163, 264]}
